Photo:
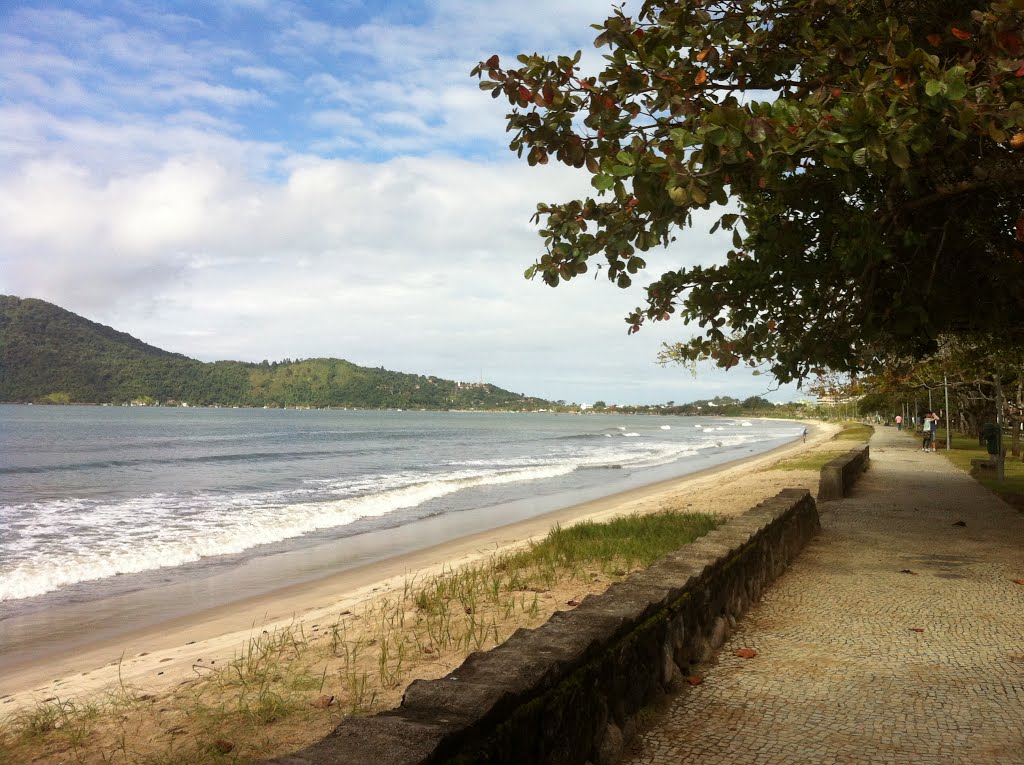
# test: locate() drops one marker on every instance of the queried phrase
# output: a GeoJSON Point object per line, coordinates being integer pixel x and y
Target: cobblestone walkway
{"type": "Point", "coordinates": [896, 637]}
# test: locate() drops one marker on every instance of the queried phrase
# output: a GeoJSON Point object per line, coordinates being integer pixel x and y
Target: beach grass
{"type": "Point", "coordinates": [289, 686]}
{"type": "Point", "coordinates": [812, 461]}
{"type": "Point", "coordinates": [854, 431]}
{"type": "Point", "coordinates": [815, 460]}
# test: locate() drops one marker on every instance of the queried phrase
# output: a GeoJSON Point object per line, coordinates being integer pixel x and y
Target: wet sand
{"type": "Point", "coordinates": [158, 656]}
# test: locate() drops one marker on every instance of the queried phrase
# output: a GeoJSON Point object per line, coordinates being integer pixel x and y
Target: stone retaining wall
{"type": "Point", "coordinates": [839, 475]}
{"type": "Point", "coordinates": [568, 691]}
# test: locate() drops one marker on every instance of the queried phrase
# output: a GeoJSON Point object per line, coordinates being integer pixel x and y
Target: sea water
{"type": "Point", "coordinates": [100, 501]}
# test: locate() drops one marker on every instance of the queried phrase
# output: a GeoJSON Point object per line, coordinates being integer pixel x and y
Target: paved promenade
{"type": "Point", "coordinates": [896, 637]}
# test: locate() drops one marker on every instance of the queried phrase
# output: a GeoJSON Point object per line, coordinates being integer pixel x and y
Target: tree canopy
{"type": "Point", "coordinates": [867, 155]}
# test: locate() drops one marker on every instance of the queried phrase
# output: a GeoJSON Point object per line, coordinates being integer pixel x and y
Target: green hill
{"type": "Point", "coordinates": [50, 355]}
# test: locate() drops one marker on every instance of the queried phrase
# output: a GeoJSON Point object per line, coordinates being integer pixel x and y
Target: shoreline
{"type": "Point", "coordinates": [162, 655]}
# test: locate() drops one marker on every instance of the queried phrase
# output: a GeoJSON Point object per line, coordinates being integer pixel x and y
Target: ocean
{"type": "Point", "coordinates": [100, 503]}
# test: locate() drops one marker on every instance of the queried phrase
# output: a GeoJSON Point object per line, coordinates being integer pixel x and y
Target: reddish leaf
{"type": "Point", "coordinates": [492, 62]}
{"type": "Point", "coordinates": [916, 629]}
{"type": "Point", "coordinates": [935, 40]}
{"type": "Point", "coordinates": [745, 653]}
{"type": "Point", "coordinates": [959, 34]}
{"type": "Point", "coordinates": [549, 93]}
{"type": "Point", "coordinates": [701, 77]}
{"type": "Point", "coordinates": [1010, 41]}
{"type": "Point", "coordinates": [695, 679]}
{"type": "Point", "coordinates": [1017, 141]}
{"type": "Point", "coordinates": [1018, 581]}
{"type": "Point", "coordinates": [703, 54]}
{"type": "Point", "coordinates": [524, 93]}
{"type": "Point", "coordinates": [1019, 72]}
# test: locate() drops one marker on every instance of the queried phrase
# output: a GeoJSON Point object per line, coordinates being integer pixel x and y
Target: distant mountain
{"type": "Point", "coordinates": [50, 355]}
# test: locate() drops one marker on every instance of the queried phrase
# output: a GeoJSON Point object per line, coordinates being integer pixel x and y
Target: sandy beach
{"type": "Point", "coordinates": [158, 658]}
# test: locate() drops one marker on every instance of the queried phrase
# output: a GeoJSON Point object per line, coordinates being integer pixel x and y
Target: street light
{"type": "Point", "coordinates": [945, 384]}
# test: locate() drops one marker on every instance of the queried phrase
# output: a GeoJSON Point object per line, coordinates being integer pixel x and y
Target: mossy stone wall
{"type": "Point", "coordinates": [569, 691]}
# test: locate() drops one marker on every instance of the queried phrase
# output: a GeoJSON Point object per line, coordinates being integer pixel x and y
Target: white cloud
{"type": "Point", "coordinates": [163, 177]}
{"type": "Point", "coordinates": [266, 75]}
{"type": "Point", "coordinates": [414, 264]}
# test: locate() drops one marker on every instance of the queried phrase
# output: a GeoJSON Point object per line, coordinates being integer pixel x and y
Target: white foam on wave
{"type": "Point", "coordinates": [63, 542]}
{"type": "Point", "coordinates": [99, 542]}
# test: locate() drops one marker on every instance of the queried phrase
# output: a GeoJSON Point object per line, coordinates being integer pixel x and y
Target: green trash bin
{"type": "Point", "coordinates": [990, 435]}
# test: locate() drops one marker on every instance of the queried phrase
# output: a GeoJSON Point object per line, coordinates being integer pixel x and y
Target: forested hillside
{"type": "Point", "coordinates": [50, 355]}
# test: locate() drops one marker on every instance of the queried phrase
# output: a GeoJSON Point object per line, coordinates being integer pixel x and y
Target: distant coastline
{"type": "Point", "coordinates": [52, 356]}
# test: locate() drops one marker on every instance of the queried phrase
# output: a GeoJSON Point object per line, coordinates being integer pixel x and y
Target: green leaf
{"type": "Point", "coordinates": [935, 87]}
{"type": "Point", "coordinates": [898, 153]}
{"type": "Point", "coordinates": [860, 157]}
{"type": "Point", "coordinates": [679, 196]}
{"type": "Point", "coordinates": [755, 131]}
{"type": "Point", "coordinates": [956, 86]}
{"type": "Point", "coordinates": [602, 182]}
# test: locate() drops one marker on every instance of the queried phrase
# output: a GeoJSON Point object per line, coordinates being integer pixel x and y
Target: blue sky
{"type": "Point", "coordinates": [247, 179]}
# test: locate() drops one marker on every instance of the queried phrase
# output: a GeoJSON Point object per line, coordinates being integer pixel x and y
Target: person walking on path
{"type": "Point", "coordinates": [899, 422]}
{"type": "Point", "coordinates": [896, 637]}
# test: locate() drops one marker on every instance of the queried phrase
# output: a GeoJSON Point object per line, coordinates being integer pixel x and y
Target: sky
{"type": "Point", "coordinates": [270, 179]}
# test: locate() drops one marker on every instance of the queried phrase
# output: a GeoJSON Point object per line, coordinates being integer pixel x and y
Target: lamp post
{"type": "Point", "coordinates": [1000, 466]}
{"type": "Point", "coordinates": [945, 384]}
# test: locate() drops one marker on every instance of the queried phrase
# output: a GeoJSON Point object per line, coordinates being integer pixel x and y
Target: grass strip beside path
{"type": "Point", "coordinates": [964, 448]}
